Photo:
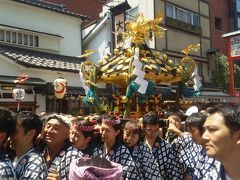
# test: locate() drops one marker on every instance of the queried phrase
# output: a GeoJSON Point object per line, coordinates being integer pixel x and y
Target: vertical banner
{"type": "Point", "coordinates": [119, 27]}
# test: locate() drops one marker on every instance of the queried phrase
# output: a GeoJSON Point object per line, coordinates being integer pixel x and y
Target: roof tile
{"type": "Point", "coordinates": [38, 59]}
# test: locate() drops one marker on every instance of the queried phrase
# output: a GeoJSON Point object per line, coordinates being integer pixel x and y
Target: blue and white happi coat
{"type": "Point", "coordinates": [88, 152]}
{"type": "Point", "coordinates": [6, 168]}
{"type": "Point", "coordinates": [161, 151]}
{"type": "Point", "coordinates": [145, 162]}
{"type": "Point", "coordinates": [195, 160]}
{"type": "Point", "coordinates": [186, 153]}
{"type": "Point", "coordinates": [61, 163]}
{"type": "Point", "coordinates": [31, 165]}
{"type": "Point", "coordinates": [121, 155]}
{"type": "Point", "coordinates": [207, 168]}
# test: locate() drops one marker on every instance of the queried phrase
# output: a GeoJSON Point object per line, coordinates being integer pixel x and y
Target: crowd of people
{"type": "Point", "coordinates": [205, 144]}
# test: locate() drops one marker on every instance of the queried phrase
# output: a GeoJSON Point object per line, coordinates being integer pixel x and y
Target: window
{"type": "Point", "coordinates": [2, 35]}
{"type": "Point", "coordinates": [238, 5]}
{"type": "Point", "coordinates": [31, 40]}
{"type": "Point", "coordinates": [8, 36]}
{"type": "Point", "coordinates": [182, 15]}
{"type": "Point", "coordinates": [195, 20]}
{"type": "Point", "coordinates": [238, 21]}
{"type": "Point", "coordinates": [19, 38]}
{"type": "Point", "coordinates": [14, 37]}
{"type": "Point", "coordinates": [218, 23]}
{"type": "Point", "coordinates": [132, 13]}
{"type": "Point", "coordinates": [199, 69]}
{"type": "Point", "coordinates": [25, 39]}
{"type": "Point", "coordinates": [36, 41]}
{"type": "Point", "coordinates": [170, 11]}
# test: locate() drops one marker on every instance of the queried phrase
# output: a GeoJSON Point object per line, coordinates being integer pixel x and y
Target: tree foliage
{"type": "Point", "coordinates": [221, 73]}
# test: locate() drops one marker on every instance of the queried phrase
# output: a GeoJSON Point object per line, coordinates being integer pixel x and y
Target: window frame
{"type": "Point", "coordinates": [175, 16]}
{"type": "Point", "coordinates": [18, 38]}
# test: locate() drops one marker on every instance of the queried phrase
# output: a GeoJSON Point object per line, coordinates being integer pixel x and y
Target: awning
{"type": "Point", "coordinates": [31, 81]}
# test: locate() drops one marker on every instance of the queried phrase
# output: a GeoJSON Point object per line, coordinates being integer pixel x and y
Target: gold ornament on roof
{"type": "Point", "coordinates": [190, 48]}
{"type": "Point", "coordinates": [87, 53]}
{"type": "Point", "coordinates": [141, 28]}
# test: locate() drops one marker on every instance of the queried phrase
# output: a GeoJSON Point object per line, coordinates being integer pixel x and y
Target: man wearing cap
{"type": "Point", "coordinates": [58, 151]}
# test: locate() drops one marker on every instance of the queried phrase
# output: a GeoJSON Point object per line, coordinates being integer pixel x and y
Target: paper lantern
{"type": "Point", "coordinates": [18, 94]}
{"type": "Point", "coordinates": [60, 85]}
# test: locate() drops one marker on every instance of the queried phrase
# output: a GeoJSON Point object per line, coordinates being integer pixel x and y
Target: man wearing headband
{"type": "Point", "coordinates": [82, 137]}
{"type": "Point", "coordinates": [58, 151]}
{"type": "Point", "coordinates": [112, 148]}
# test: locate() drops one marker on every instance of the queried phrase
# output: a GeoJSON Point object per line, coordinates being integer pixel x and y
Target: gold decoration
{"type": "Point", "coordinates": [158, 61]}
{"type": "Point", "coordinates": [110, 71]}
{"type": "Point", "coordinates": [125, 68]}
{"type": "Point", "coordinates": [191, 63]}
{"type": "Point", "coordinates": [106, 58]}
{"type": "Point", "coordinates": [87, 53]}
{"type": "Point", "coordinates": [116, 51]}
{"type": "Point", "coordinates": [119, 66]}
{"type": "Point", "coordinates": [190, 48]}
{"type": "Point", "coordinates": [124, 99]}
{"type": "Point", "coordinates": [139, 29]}
{"type": "Point", "coordinates": [170, 62]}
{"type": "Point", "coordinates": [128, 60]}
{"type": "Point", "coordinates": [91, 100]}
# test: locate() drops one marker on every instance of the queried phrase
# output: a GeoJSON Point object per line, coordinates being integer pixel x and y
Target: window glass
{"type": "Point", "coordinates": [25, 39]}
{"type": "Point", "coordinates": [132, 13]}
{"type": "Point", "coordinates": [2, 35]}
{"type": "Point", "coordinates": [169, 11]}
{"type": "Point", "coordinates": [188, 18]}
{"type": "Point", "coordinates": [14, 37]}
{"type": "Point", "coordinates": [195, 20]}
{"type": "Point", "coordinates": [199, 68]}
{"type": "Point", "coordinates": [180, 15]}
{"type": "Point", "coordinates": [238, 20]}
{"type": "Point", "coordinates": [19, 38]}
{"type": "Point", "coordinates": [31, 40]}
{"type": "Point", "coordinates": [8, 36]}
{"type": "Point", "coordinates": [218, 23]}
{"type": "Point", "coordinates": [36, 41]}
{"type": "Point", "coordinates": [238, 5]}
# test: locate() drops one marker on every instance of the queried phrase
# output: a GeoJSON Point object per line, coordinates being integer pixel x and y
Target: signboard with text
{"type": "Point", "coordinates": [235, 46]}
{"type": "Point", "coordinates": [119, 28]}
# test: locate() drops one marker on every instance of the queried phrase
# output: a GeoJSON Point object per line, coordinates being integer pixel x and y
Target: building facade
{"type": "Point", "coordinates": [220, 24]}
{"type": "Point", "coordinates": [41, 40]}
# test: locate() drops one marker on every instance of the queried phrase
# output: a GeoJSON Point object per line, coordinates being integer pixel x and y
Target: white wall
{"type": "Point", "coordinates": [38, 19]}
{"type": "Point", "coordinates": [99, 43]}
